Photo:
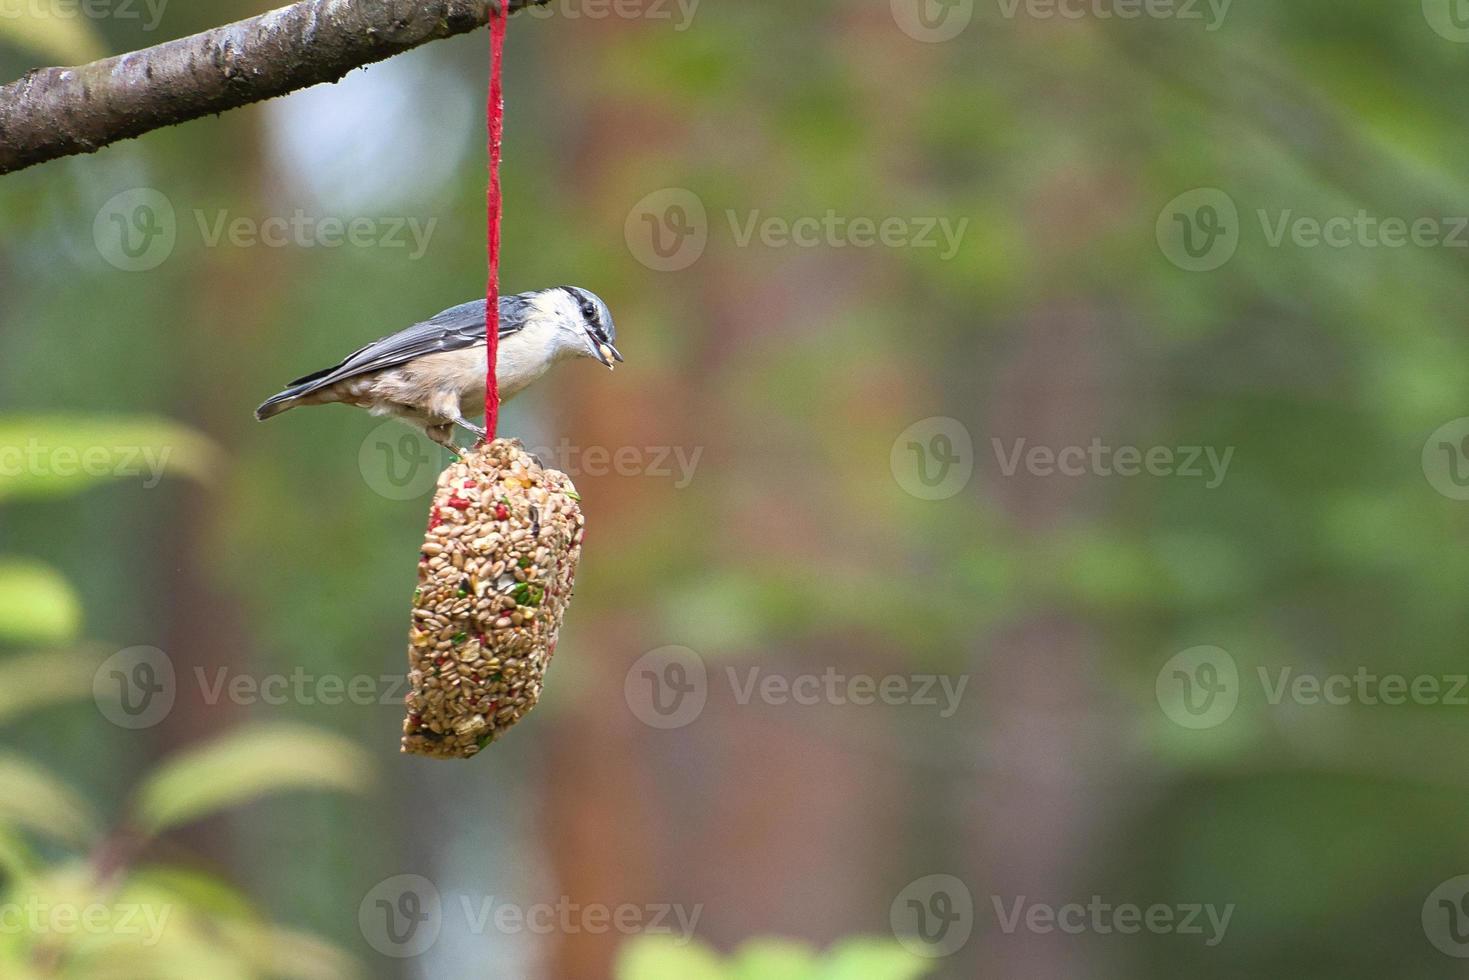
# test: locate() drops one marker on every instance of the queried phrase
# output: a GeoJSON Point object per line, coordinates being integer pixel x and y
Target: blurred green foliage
{"type": "Point", "coordinates": [72, 903]}
{"type": "Point", "coordinates": [46, 28]}
{"type": "Point", "coordinates": [665, 958]}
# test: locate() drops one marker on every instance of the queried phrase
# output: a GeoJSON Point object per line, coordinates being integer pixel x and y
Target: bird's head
{"type": "Point", "coordinates": [585, 324]}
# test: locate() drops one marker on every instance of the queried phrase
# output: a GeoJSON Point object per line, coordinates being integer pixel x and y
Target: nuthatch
{"type": "Point", "coordinates": [432, 374]}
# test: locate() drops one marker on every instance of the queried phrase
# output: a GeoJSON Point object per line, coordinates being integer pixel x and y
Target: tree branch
{"type": "Point", "coordinates": [57, 112]}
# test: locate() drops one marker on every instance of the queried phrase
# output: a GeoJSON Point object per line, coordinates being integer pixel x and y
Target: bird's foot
{"type": "Point", "coordinates": [444, 436]}
{"type": "Point", "coordinates": [479, 431]}
{"type": "Point", "coordinates": [470, 426]}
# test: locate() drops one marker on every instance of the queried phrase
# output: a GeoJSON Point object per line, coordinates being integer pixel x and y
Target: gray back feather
{"type": "Point", "coordinates": [454, 329]}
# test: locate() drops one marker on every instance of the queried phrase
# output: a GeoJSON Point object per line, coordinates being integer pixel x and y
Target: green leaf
{"type": "Point", "coordinates": [48, 456]}
{"type": "Point", "coordinates": [38, 680]}
{"type": "Point", "coordinates": [32, 800]}
{"type": "Point", "coordinates": [36, 604]}
{"type": "Point", "coordinates": [775, 959]}
{"type": "Point", "coordinates": [44, 28]}
{"type": "Point", "coordinates": [289, 955]}
{"type": "Point", "coordinates": [872, 959]}
{"type": "Point", "coordinates": [246, 765]}
{"type": "Point", "coordinates": [193, 889]}
{"type": "Point", "coordinates": [666, 958]}
{"type": "Point", "coordinates": [16, 859]}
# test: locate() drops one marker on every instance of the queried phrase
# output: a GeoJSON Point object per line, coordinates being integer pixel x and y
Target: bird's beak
{"type": "Point", "coordinates": [605, 353]}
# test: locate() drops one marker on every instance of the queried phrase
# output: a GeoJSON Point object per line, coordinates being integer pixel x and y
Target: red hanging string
{"type": "Point", "coordinates": [495, 119]}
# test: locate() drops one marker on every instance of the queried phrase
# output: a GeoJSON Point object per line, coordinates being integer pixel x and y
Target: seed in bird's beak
{"type": "Point", "coordinates": [607, 354]}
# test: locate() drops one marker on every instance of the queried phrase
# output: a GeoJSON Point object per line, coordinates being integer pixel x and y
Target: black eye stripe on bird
{"type": "Point", "coordinates": [432, 374]}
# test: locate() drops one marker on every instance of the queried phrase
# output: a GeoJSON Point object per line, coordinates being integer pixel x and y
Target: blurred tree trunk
{"type": "Point", "coordinates": [231, 291]}
{"type": "Point", "coordinates": [1040, 807]}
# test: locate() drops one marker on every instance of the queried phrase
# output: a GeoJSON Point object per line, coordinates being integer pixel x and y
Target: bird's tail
{"type": "Point", "coordinates": [283, 402]}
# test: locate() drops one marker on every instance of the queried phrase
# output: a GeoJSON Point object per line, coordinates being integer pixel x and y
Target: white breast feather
{"type": "Point", "coordinates": [430, 386]}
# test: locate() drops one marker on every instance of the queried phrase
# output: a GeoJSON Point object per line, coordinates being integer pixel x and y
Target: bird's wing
{"type": "Point", "coordinates": [454, 329]}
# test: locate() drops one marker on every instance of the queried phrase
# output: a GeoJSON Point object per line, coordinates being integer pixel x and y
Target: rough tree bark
{"type": "Point", "coordinates": [57, 112]}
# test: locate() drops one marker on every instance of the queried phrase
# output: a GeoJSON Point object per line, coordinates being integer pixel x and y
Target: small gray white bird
{"type": "Point", "coordinates": [432, 374]}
